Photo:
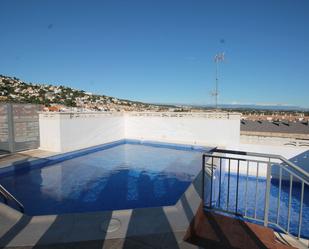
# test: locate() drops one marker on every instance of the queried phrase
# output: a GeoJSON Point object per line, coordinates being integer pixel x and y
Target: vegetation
{"type": "Point", "coordinates": [14, 90]}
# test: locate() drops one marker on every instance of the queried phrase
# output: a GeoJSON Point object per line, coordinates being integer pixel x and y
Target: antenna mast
{"type": "Point", "coordinates": [218, 58]}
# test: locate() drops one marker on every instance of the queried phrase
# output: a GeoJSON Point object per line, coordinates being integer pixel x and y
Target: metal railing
{"type": "Point", "coordinates": [8, 196]}
{"type": "Point", "coordinates": [207, 115]}
{"type": "Point", "coordinates": [19, 127]}
{"type": "Point", "coordinates": [233, 182]}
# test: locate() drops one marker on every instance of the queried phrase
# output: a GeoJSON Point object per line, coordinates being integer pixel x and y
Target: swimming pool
{"type": "Point", "coordinates": [121, 175]}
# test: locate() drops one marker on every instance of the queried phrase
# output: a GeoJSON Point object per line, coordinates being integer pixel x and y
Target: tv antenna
{"type": "Point", "coordinates": [218, 58]}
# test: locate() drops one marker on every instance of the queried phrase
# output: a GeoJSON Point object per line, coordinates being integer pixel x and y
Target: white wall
{"type": "Point", "coordinates": [192, 130]}
{"type": "Point", "coordinates": [50, 132]}
{"type": "Point", "coordinates": [61, 132]}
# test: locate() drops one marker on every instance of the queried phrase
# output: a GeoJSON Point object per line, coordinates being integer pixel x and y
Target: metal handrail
{"type": "Point", "coordinates": [8, 196]}
{"type": "Point", "coordinates": [264, 155]}
{"type": "Point", "coordinates": [292, 171]}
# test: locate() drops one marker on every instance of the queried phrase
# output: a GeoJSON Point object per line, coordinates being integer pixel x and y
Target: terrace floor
{"type": "Point", "coordinates": [19, 157]}
{"type": "Point", "coordinates": [207, 230]}
{"type": "Point", "coordinates": [210, 230]}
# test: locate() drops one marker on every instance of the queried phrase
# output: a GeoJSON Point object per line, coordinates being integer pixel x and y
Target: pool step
{"type": "Point", "coordinates": [211, 230]}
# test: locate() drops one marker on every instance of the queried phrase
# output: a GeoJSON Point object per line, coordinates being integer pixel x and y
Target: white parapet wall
{"type": "Point", "coordinates": [62, 132]}
{"type": "Point", "coordinates": [192, 128]}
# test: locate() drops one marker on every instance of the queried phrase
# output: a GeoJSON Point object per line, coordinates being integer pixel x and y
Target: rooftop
{"type": "Point", "coordinates": [275, 127]}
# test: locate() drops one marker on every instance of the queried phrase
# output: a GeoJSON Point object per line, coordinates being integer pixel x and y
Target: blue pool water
{"type": "Point", "coordinates": [123, 176]}
{"type": "Point", "coordinates": [258, 202]}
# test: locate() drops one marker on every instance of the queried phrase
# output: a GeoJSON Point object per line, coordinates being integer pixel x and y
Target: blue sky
{"type": "Point", "coordinates": [162, 51]}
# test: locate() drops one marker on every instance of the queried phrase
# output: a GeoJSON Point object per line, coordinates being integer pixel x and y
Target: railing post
{"type": "Point", "coordinates": [11, 125]}
{"type": "Point", "coordinates": [211, 181]}
{"type": "Point", "coordinates": [237, 187]}
{"type": "Point", "coordinates": [219, 197]}
{"type": "Point", "coordinates": [203, 181]}
{"type": "Point", "coordinates": [267, 193]}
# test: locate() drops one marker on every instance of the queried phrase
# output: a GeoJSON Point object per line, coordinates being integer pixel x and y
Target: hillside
{"type": "Point", "coordinates": [17, 91]}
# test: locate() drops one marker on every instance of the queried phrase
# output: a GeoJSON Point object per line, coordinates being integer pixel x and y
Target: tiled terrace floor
{"type": "Point", "coordinates": [207, 230]}
{"type": "Point", "coordinates": [19, 157]}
